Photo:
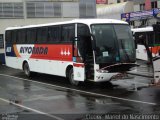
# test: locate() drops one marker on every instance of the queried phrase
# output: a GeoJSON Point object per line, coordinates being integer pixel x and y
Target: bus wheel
{"type": "Point", "coordinates": [26, 69]}
{"type": "Point", "coordinates": [71, 78]}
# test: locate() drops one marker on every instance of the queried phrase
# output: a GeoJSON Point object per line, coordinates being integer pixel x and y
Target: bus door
{"type": "Point", "coordinates": [83, 58]}
{"type": "Point", "coordinates": [83, 54]}
{"type": "Point", "coordinates": [78, 65]}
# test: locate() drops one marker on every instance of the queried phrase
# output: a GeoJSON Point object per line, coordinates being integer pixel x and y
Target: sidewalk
{"type": "Point", "coordinates": [144, 69]}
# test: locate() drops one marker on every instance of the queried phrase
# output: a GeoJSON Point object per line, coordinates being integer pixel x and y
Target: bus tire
{"type": "Point", "coordinates": [26, 69]}
{"type": "Point", "coordinates": [71, 78]}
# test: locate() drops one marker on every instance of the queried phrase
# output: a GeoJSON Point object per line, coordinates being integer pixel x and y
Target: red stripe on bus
{"type": "Point", "coordinates": [155, 49]}
{"type": "Point", "coordinates": [78, 65]}
{"type": "Point", "coordinates": [54, 52]}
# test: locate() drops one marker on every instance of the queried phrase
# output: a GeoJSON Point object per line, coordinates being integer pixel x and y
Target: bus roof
{"type": "Point", "coordinates": [84, 21]}
{"type": "Point", "coordinates": [145, 29]}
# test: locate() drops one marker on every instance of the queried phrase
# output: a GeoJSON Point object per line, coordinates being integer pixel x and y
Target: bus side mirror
{"type": "Point", "coordinates": [93, 42]}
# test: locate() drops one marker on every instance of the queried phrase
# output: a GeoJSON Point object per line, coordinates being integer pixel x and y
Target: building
{"type": "Point", "coordinates": [27, 12]}
{"type": "Point", "coordinates": [109, 1]}
{"type": "Point", "coordinates": [114, 11]}
{"type": "Point", "coordinates": [145, 13]}
{"type": "Point", "coordinates": [132, 11]}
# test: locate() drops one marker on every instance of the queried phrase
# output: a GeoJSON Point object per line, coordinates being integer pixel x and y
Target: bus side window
{"type": "Point", "coordinates": [68, 33]}
{"type": "Point", "coordinates": [157, 38]}
{"type": "Point", "coordinates": [14, 36]}
{"type": "Point", "coordinates": [8, 37]}
{"type": "Point", "coordinates": [42, 35]}
{"type": "Point", "coordinates": [84, 41]}
{"type": "Point", "coordinates": [21, 36]}
{"type": "Point", "coordinates": [54, 33]}
{"type": "Point", "coordinates": [83, 30]}
{"type": "Point", "coordinates": [150, 38]}
{"type": "Point", "coordinates": [31, 35]}
{"type": "Point", "coordinates": [140, 37]}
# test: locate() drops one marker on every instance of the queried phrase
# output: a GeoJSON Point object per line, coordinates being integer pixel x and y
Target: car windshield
{"type": "Point", "coordinates": [114, 43]}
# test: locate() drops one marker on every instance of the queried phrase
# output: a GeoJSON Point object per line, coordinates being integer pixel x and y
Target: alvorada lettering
{"type": "Point", "coordinates": [34, 50]}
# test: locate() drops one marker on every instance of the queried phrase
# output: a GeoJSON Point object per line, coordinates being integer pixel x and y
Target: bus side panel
{"type": "Point", "coordinates": [52, 67]}
{"type": "Point", "coordinates": [141, 53]}
{"type": "Point", "coordinates": [43, 58]}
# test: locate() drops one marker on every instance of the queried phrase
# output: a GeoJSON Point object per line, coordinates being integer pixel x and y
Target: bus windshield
{"type": "Point", "coordinates": [114, 43]}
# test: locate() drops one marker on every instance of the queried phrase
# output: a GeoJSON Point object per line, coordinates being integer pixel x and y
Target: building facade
{"type": "Point", "coordinates": [132, 11]}
{"type": "Point", "coordinates": [26, 12]}
{"type": "Point", "coordinates": [143, 16]}
{"type": "Point", "coordinates": [114, 11]}
{"type": "Point", "coordinates": [109, 1]}
{"type": "Point", "coordinates": [29, 12]}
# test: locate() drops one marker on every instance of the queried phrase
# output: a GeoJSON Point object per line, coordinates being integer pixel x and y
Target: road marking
{"type": "Point", "coordinates": [37, 111]}
{"type": "Point", "coordinates": [81, 91]}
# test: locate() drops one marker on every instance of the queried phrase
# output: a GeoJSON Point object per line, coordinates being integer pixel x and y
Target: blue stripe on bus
{"type": "Point", "coordinates": [2, 58]}
{"type": "Point", "coordinates": [10, 50]}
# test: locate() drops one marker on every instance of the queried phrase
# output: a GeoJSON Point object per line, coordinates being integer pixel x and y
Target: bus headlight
{"type": "Point", "coordinates": [102, 71]}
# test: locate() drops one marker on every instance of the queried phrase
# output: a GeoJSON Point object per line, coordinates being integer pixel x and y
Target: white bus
{"type": "Point", "coordinates": [83, 49]}
{"type": "Point", "coordinates": [152, 40]}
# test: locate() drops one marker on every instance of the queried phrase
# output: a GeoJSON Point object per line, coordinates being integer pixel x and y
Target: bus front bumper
{"type": "Point", "coordinates": [102, 76]}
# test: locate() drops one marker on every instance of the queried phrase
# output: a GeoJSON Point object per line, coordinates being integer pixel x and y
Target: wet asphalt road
{"type": "Point", "coordinates": [45, 97]}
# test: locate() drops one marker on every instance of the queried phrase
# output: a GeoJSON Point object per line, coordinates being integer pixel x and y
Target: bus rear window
{"type": "Point", "coordinates": [8, 37]}
{"type": "Point", "coordinates": [21, 36]}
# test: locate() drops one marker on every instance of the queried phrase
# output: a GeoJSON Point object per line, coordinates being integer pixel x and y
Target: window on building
{"type": "Point", "coordinates": [39, 7]}
{"type": "Point", "coordinates": [142, 6]}
{"type": "Point", "coordinates": [44, 9]}
{"type": "Point", "coordinates": [57, 9]}
{"type": "Point", "coordinates": [143, 22]}
{"type": "Point", "coordinates": [11, 10]}
{"type": "Point", "coordinates": [118, 1]}
{"type": "Point", "coordinates": [70, 9]}
{"type": "Point", "coordinates": [87, 9]}
{"type": "Point", "coordinates": [154, 4]}
{"type": "Point", "coordinates": [132, 23]}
